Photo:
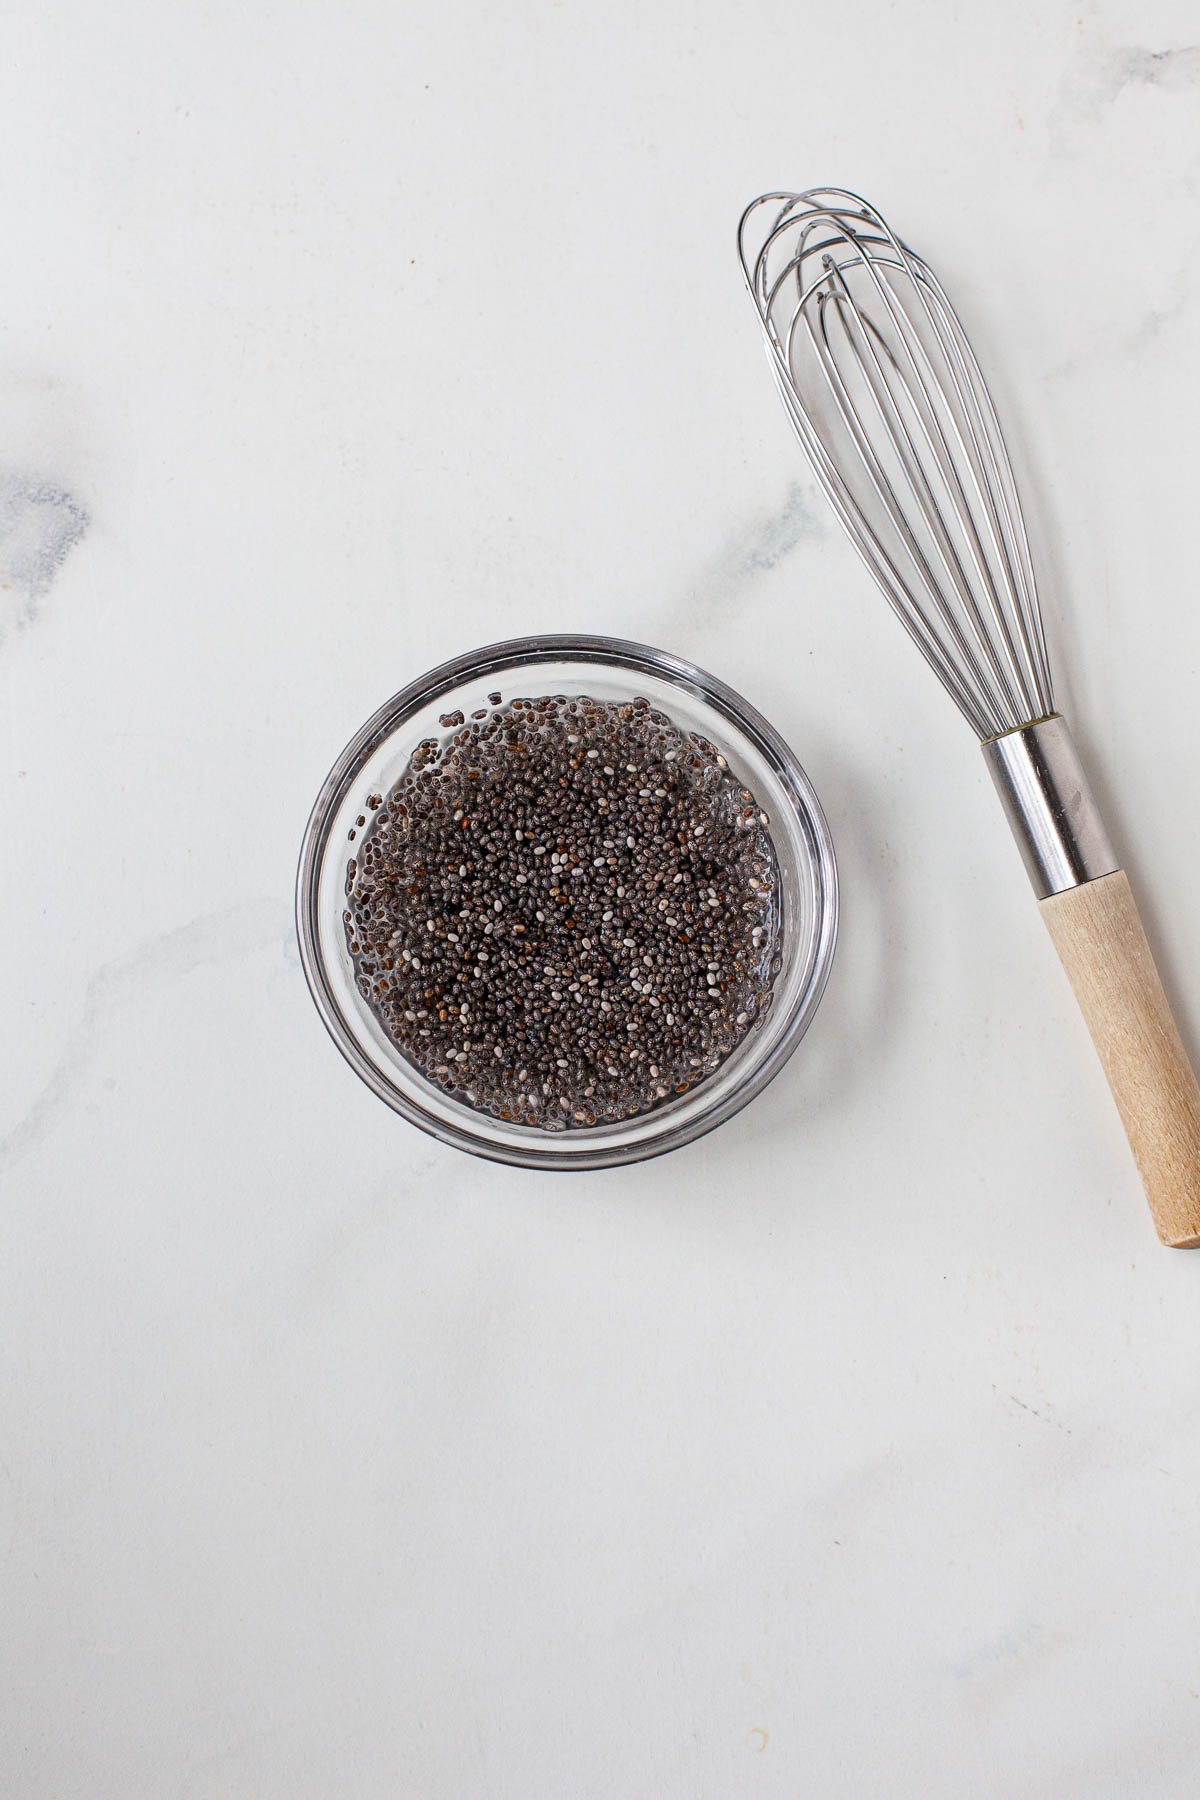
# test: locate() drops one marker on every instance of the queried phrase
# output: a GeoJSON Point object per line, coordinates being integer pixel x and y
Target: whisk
{"type": "Point", "coordinates": [888, 401]}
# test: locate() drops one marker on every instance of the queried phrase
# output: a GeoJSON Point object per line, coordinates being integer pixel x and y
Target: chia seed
{"type": "Point", "coordinates": [566, 912]}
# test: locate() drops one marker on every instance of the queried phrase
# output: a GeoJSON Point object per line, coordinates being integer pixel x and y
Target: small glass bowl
{"type": "Point", "coordinates": [607, 669]}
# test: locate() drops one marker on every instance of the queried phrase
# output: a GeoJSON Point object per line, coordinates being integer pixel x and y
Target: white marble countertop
{"type": "Point", "coordinates": [852, 1451]}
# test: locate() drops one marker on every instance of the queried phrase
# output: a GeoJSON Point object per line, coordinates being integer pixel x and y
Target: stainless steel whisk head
{"type": "Point", "coordinates": [888, 401]}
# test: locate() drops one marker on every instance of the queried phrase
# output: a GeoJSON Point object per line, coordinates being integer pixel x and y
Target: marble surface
{"type": "Point", "coordinates": [853, 1451]}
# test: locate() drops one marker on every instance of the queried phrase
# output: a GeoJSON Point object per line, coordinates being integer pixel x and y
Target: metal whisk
{"type": "Point", "coordinates": [885, 394]}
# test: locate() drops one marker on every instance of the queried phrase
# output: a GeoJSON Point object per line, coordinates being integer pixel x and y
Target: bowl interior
{"type": "Point", "coordinates": [378, 756]}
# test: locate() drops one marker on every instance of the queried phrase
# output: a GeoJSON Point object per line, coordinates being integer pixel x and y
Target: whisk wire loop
{"type": "Point", "coordinates": [887, 399]}
{"type": "Point", "coordinates": [890, 419]}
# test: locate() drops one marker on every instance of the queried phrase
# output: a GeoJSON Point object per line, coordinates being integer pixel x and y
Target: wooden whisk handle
{"type": "Point", "coordinates": [1100, 939]}
{"type": "Point", "coordinates": [1091, 914]}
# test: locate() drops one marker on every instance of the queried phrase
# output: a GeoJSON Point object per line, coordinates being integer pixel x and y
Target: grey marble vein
{"type": "Point", "coordinates": [1100, 74]}
{"type": "Point", "coordinates": [1090, 89]}
{"type": "Point", "coordinates": [40, 523]}
{"type": "Point", "coordinates": [1146, 329]}
{"type": "Point", "coordinates": [755, 548]}
{"type": "Point", "coordinates": [1134, 65]}
{"type": "Point", "coordinates": [234, 931]}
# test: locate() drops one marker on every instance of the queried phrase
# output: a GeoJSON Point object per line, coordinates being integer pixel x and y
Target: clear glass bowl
{"type": "Point", "coordinates": [607, 669]}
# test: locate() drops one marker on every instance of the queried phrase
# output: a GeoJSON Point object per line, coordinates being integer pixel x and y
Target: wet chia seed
{"type": "Point", "coordinates": [566, 910]}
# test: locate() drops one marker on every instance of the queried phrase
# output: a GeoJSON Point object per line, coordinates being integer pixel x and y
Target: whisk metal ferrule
{"type": "Point", "coordinates": [1049, 805]}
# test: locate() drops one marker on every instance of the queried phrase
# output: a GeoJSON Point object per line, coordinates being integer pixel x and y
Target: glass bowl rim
{"type": "Point", "coordinates": [636, 658]}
